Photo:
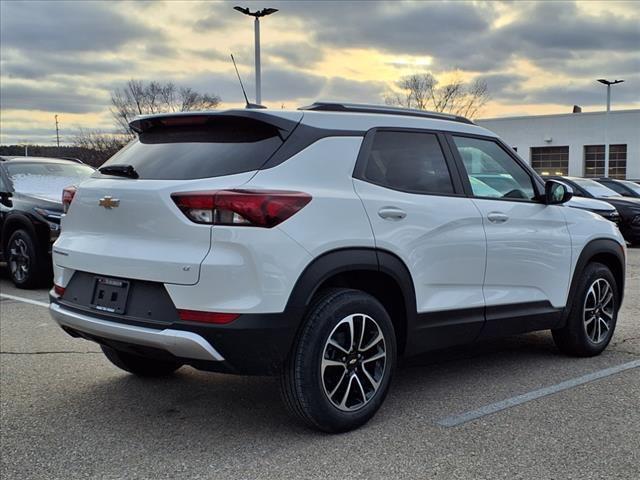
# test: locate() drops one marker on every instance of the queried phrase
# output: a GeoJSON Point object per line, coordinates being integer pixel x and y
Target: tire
{"type": "Point", "coordinates": [26, 260]}
{"type": "Point", "coordinates": [140, 366]}
{"type": "Point", "coordinates": [326, 386]}
{"type": "Point", "coordinates": [593, 315]}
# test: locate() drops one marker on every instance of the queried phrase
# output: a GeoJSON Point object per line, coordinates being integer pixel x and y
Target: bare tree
{"type": "Point", "coordinates": [476, 98]}
{"type": "Point", "coordinates": [424, 92]}
{"type": "Point", "coordinates": [101, 145]}
{"type": "Point", "coordinates": [140, 98]}
{"type": "Point", "coordinates": [415, 91]}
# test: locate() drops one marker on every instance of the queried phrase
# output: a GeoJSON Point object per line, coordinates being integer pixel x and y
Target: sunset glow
{"type": "Point", "coordinates": [66, 57]}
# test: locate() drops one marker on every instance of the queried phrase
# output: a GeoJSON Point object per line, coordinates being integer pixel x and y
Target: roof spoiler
{"type": "Point", "coordinates": [143, 123]}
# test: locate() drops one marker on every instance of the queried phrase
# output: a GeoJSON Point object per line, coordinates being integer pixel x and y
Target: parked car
{"type": "Point", "coordinates": [321, 244]}
{"type": "Point", "coordinates": [30, 211]}
{"type": "Point", "coordinates": [599, 207]}
{"type": "Point", "coordinates": [628, 208]}
{"type": "Point", "coordinates": [626, 188]}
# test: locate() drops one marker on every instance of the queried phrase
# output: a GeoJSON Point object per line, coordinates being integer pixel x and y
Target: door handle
{"type": "Point", "coordinates": [391, 213]}
{"type": "Point", "coordinates": [497, 217]}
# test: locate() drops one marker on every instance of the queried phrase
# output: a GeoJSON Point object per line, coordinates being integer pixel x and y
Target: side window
{"type": "Point", "coordinates": [3, 185]}
{"type": "Point", "coordinates": [409, 161]}
{"type": "Point", "coordinates": [492, 172]}
{"type": "Point", "coordinates": [616, 187]}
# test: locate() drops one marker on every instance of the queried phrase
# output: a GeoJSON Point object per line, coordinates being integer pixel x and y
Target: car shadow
{"type": "Point", "coordinates": [206, 404]}
{"type": "Point", "coordinates": [4, 271]}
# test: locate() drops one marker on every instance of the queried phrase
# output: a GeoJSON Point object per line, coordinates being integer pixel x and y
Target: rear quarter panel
{"type": "Point", "coordinates": [335, 217]}
{"type": "Point", "coordinates": [254, 270]}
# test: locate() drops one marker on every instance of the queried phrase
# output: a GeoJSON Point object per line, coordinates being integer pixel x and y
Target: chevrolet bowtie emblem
{"type": "Point", "coordinates": [108, 202]}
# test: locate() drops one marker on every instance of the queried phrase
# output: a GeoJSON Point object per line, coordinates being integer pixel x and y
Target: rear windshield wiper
{"type": "Point", "coordinates": [119, 171]}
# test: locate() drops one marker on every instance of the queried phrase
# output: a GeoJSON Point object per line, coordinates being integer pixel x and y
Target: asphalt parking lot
{"type": "Point", "coordinates": [67, 413]}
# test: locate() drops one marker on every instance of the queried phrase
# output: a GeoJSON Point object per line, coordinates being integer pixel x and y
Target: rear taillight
{"type": "Point", "coordinates": [58, 290]}
{"type": "Point", "coordinates": [67, 197]}
{"type": "Point", "coordinates": [207, 317]}
{"type": "Point", "coordinates": [253, 208]}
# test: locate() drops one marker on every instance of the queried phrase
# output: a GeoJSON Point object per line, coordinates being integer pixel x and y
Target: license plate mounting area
{"type": "Point", "coordinates": [110, 295]}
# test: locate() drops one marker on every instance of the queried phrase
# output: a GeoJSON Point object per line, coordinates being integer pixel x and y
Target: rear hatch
{"type": "Point", "coordinates": [130, 227]}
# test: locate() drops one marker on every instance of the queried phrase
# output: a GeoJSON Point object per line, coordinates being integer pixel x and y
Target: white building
{"type": "Point", "coordinates": [573, 143]}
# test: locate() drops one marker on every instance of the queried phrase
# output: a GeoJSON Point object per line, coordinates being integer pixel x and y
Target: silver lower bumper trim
{"type": "Point", "coordinates": [179, 343]}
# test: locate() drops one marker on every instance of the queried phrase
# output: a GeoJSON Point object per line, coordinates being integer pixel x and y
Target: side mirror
{"type": "Point", "coordinates": [5, 199]}
{"type": "Point", "coordinates": [556, 192]}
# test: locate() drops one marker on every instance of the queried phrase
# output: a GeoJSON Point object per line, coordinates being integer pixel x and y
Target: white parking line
{"type": "Point", "coordinates": [455, 420]}
{"type": "Point", "coordinates": [25, 300]}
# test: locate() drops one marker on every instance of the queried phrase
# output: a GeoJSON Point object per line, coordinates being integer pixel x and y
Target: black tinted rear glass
{"type": "Point", "coordinates": [408, 161]}
{"type": "Point", "coordinates": [223, 147]}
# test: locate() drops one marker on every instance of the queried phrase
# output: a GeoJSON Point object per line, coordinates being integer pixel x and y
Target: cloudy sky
{"type": "Point", "coordinates": [537, 57]}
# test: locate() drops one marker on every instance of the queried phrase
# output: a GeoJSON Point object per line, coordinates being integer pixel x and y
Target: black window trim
{"type": "Point", "coordinates": [365, 150]}
{"type": "Point", "coordinates": [536, 181]}
{"type": "Point", "coordinates": [301, 137]}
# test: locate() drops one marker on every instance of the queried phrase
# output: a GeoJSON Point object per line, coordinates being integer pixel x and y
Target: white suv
{"type": "Point", "coordinates": [320, 245]}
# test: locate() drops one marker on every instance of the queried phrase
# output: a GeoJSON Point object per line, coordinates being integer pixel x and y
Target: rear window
{"type": "Point", "coordinates": [46, 179]}
{"type": "Point", "coordinates": [408, 161]}
{"type": "Point", "coordinates": [223, 146]}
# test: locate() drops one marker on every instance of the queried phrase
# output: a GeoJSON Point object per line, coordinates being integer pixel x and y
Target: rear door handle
{"type": "Point", "coordinates": [392, 213]}
{"type": "Point", "coordinates": [497, 217]}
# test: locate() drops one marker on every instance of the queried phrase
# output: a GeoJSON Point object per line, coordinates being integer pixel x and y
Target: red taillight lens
{"type": "Point", "coordinates": [67, 197]}
{"type": "Point", "coordinates": [58, 290]}
{"type": "Point", "coordinates": [254, 208]}
{"type": "Point", "coordinates": [207, 317]}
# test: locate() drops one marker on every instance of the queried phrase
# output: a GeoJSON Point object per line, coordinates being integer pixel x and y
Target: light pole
{"type": "Point", "coordinates": [57, 133]}
{"type": "Point", "coordinates": [257, 14]}
{"type": "Point", "coordinates": [608, 83]}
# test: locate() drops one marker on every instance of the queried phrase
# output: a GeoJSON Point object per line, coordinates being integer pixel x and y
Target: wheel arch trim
{"type": "Point", "coordinates": [16, 221]}
{"type": "Point", "coordinates": [594, 248]}
{"type": "Point", "coordinates": [346, 260]}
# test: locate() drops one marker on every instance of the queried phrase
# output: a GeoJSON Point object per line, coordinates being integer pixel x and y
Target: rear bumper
{"type": "Point", "coordinates": [253, 344]}
{"type": "Point", "coordinates": [176, 342]}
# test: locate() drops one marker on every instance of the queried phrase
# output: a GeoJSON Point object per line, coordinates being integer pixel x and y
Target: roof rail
{"type": "Point", "coordinates": [381, 109]}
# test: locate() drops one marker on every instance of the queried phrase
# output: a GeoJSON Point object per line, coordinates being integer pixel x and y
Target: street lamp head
{"type": "Point", "coordinates": [268, 11]}
{"type": "Point", "coordinates": [246, 11]}
{"type": "Point", "coordinates": [258, 13]}
{"type": "Point", "coordinates": [608, 82]}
